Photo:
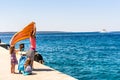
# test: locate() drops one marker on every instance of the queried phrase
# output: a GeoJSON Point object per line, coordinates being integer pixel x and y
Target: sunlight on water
{"type": "Point", "coordinates": [85, 56]}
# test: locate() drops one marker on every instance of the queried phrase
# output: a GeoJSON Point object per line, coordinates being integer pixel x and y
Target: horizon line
{"type": "Point", "coordinates": [61, 31]}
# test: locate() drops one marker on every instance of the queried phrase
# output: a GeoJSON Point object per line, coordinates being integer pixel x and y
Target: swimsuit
{"type": "Point", "coordinates": [13, 59]}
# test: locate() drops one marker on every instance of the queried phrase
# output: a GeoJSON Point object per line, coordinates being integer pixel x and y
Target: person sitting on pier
{"type": "Point", "coordinates": [27, 67]}
{"type": "Point", "coordinates": [38, 58]}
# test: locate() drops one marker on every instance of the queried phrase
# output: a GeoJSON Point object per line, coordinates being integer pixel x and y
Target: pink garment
{"type": "Point", "coordinates": [32, 43]}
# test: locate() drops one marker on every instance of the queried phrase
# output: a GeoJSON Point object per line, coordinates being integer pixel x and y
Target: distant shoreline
{"type": "Point", "coordinates": [47, 32]}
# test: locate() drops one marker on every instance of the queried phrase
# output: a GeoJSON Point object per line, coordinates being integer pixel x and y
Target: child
{"type": "Point", "coordinates": [21, 49]}
{"type": "Point", "coordinates": [22, 58]}
{"type": "Point", "coordinates": [13, 58]}
{"type": "Point", "coordinates": [27, 67]}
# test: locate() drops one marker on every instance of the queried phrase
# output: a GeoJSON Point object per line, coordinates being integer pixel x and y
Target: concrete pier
{"type": "Point", "coordinates": [40, 72]}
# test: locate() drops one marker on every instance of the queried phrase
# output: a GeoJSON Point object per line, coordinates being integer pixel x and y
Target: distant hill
{"type": "Point", "coordinates": [59, 32]}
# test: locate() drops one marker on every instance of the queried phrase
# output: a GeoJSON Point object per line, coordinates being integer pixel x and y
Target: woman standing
{"type": "Point", "coordinates": [31, 52]}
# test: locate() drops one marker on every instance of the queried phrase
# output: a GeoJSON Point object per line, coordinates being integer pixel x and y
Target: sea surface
{"type": "Point", "coordinates": [85, 56]}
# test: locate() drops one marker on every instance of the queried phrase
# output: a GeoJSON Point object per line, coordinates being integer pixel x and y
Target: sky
{"type": "Point", "coordinates": [60, 15]}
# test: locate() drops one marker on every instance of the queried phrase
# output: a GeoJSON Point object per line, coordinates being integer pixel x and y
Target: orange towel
{"type": "Point", "coordinates": [23, 34]}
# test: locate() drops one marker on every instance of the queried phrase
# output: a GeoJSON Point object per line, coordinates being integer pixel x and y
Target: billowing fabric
{"type": "Point", "coordinates": [23, 34]}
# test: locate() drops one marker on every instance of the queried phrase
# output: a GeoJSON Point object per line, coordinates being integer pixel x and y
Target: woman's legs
{"type": "Point", "coordinates": [32, 63]}
{"type": "Point", "coordinates": [30, 54]}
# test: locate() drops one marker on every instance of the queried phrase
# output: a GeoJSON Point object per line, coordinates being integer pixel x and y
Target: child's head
{"type": "Point", "coordinates": [12, 47]}
{"type": "Point", "coordinates": [38, 57]}
{"type": "Point", "coordinates": [21, 47]}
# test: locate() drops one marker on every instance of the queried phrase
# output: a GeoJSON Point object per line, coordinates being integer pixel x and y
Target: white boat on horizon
{"type": "Point", "coordinates": [103, 31]}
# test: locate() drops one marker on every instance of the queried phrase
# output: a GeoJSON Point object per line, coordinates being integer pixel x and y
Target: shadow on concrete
{"type": "Point", "coordinates": [43, 70]}
{"type": "Point", "coordinates": [27, 75]}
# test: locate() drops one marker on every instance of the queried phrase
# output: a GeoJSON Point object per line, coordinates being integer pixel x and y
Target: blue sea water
{"type": "Point", "coordinates": [85, 56]}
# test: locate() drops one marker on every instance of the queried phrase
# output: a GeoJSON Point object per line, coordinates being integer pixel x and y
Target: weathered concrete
{"type": "Point", "coordinates": [40, 72]}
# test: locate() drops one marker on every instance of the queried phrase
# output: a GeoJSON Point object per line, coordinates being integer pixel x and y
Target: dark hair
{"type": "Point", "coordinates": [11, 49]}
{"type": "Point", "coordinates": [21, 46]}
